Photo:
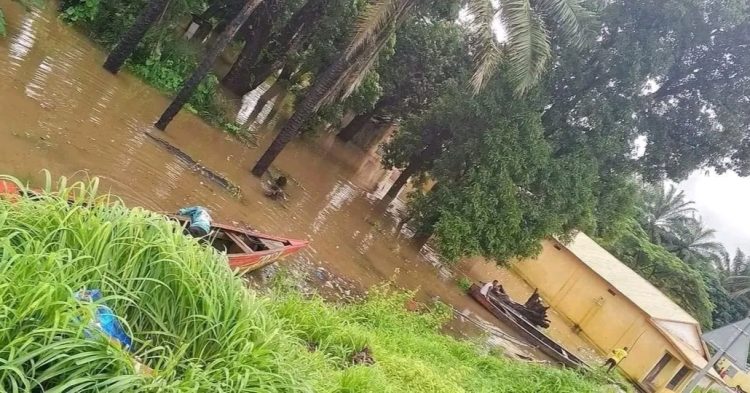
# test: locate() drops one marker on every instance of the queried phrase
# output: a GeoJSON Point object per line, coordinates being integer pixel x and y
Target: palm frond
{"type": "Point", "coordinates": [362, 56]}
{"type": "Point", "coordinates": [488, 55]}
{"type": "Point", "coordinates": [376, 17]}
{"type": "Point", "coordinates": [574, 22]}
{"type": "Point", "coordinates": [528, 47]}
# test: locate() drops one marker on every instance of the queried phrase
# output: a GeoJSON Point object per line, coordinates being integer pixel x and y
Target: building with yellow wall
{"type": "Point", "coordinates": [611, 306]}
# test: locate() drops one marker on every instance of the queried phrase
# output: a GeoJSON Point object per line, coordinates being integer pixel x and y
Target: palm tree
{"type": "Point", "coordinates": [205, 66]}
{"type": "Point", "coordinates": [729, 267]}
{"type": "Point", "coordinates": [134, 35]}
{"type": "Point", "coordinates": [663, 209]}
{"type": "Point", "coordinates": [692, 241]}
{"type": "Point", "coordinates": [527, 50]}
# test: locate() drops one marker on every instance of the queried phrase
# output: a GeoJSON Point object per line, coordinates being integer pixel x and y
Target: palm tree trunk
{"type": "Point", "coordinates": [287, 71]}
{"type": "Point", "coordinates": [357, 124]}
{"type": "Point", "coordinates": [258, 30]}
{"type": "Point", "coordinates": [323, 87]}
{"type": "Point", "coordinates": [303, 112]}
{"type": "Point", "coordinates": [294, 35]}
{"type": "Point", "coordinates": [414, 164]}
{"type": "Point", "coordinates": [133, 36]}
{"type": "Point", "coordinates": [195, 79]}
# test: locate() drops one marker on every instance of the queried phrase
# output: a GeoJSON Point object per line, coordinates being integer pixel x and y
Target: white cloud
{"type": "Point", "coordinates": [722, 201]}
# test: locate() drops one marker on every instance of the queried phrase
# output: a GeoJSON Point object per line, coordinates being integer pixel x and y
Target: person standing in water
{"type": "Point", "coordinates": [200, 220]}
{"type": "Point", "coordinates": [616, 357]}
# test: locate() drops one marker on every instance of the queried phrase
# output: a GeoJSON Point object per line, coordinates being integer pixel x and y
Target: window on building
{"type": "Point", "coordinates": [678, 378]}
{"type": "Point", "coordinates": [658, 367]}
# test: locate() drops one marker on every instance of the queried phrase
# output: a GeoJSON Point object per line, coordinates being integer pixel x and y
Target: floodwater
{"type": "Point", "coordinates": [59, 110]}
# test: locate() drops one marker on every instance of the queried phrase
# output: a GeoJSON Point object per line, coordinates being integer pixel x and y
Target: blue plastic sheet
{"type": "Point", "coordinates": [104, 319]}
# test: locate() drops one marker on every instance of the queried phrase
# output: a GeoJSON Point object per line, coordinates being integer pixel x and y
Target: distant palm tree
{"type": "Point", "coordinates": [663, 209]}
{"type": "Point", "coordinates": [691, 240]}
{"type": "Point", "coordinates": [728, 266]}
{"type": "Point", "coordinates": [734, 272]}
{"type": "Point", "coordinates": [526, 51]}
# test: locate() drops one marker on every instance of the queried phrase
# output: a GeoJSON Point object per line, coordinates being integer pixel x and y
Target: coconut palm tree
{"type": "Point", "coordinates": [692, 241]}
{"type": "Point", "coordinates": [662, 210]}
{"type": "Point", "coordinates": [187, 89]}
{"type": "Point", "coordinates": [729, 267]}
{"type": "Point", "coordinates": [527, 50]}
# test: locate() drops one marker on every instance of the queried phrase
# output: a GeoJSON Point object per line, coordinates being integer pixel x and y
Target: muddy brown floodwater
{"type": "Point", "coordinates": [59, 110]}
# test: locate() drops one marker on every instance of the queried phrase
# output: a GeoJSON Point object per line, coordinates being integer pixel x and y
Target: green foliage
{"type": "Point", "coordinates": [2, 24]}
{"type": "Point", "coordinates": [197, 325]}
{"type": "Point", "coordinates": [83, 11]}
{"type": "Point", "coordinates": [499, 188]}
{"type": "Point", "coordinates": [464, 283]}
{"type": "Point", "coordinates": [427, 56]}
{"type": "Point", "coordinates": [682, 283]}
{"type": "Point", "coordinates": [701, 76]}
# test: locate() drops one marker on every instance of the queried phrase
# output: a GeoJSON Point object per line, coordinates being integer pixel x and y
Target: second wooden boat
{"type": "Point", "coordinates": [534, 336]}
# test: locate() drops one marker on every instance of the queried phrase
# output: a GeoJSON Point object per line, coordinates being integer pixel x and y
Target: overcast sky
{"type": "Point", "coordinates": [723, 201]}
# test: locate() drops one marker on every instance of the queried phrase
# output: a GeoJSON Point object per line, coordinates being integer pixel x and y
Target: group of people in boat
{"type": "Point", "coordinates": [535, 311]}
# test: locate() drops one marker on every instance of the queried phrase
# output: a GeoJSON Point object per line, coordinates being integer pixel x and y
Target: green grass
{"type": "Point", "coordinates": [199, 327]}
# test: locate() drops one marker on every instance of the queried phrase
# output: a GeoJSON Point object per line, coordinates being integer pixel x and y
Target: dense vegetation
{"type": "Point", "coordinates": [200, 328]}
{"type": "Point", "coordinates": [572, 122]}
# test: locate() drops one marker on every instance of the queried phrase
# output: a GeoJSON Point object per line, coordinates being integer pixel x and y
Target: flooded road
{"type": "Point", "coordinates": [59, 110]}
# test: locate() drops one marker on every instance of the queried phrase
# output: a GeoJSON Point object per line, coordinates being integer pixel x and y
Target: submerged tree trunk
{"type": "Point", "coordinates": [414, 164]}
{"type": "Point", "coordinates": [357, 124]}
{"type": "Point", "coordinates": [294, 35]}
{"type": "Point", "coordinates": [420, 160]}
{"type": "Point", "coordinates": [302, 113]}
{"type": "Point", "coordinates": [322, 88]}
{"type": "Point", "coordinates": [257, 32]}
{"type": "Point", "coordinates": [205, 66]}
{"type": "Point", "coordinates": [287, 72]}
{"type": "Point", "coordinates": [134, 35]}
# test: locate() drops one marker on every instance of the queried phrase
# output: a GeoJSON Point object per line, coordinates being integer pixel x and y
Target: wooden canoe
{"type": "Point", "coordinates": [534, 336]}
{"type": "Point", "coordinates": [248, 250]}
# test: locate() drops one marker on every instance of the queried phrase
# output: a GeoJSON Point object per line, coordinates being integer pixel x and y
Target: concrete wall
{"type": "Point", "coordinates": [603, 315]}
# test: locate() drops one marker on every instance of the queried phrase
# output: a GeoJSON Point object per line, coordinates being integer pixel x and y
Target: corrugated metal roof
{"type": "Point", "coordinates": [636, 288]}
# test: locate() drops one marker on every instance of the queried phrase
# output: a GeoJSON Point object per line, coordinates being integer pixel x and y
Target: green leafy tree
{"type": "Point", "coordinates": [499, 189]}
{"type": "Point", "coordinates": [682, 283]}
{"type": "Point", "coordinates": [427, 54]}
{"type": "Point", "coordinates": [527, 50]}
{"type": "Point", "coordinates": [672, 73]}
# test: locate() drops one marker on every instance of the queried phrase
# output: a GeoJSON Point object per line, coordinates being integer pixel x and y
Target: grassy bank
{"type": "Point", "coordinates": [200, 328]}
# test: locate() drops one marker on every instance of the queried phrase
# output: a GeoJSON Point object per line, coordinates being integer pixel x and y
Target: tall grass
{"type": "Point", "coordinates": [196, 324]}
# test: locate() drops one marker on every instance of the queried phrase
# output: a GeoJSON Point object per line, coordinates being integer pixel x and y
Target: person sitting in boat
{"type": "Point", "coordinates": [200, 220]}
{"type": "Point", "coordinates": [485, 290]}
{"type": "Point", "coordinates": [497, 289]}
{"type": "Point", "coordinates": [276, 188]}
